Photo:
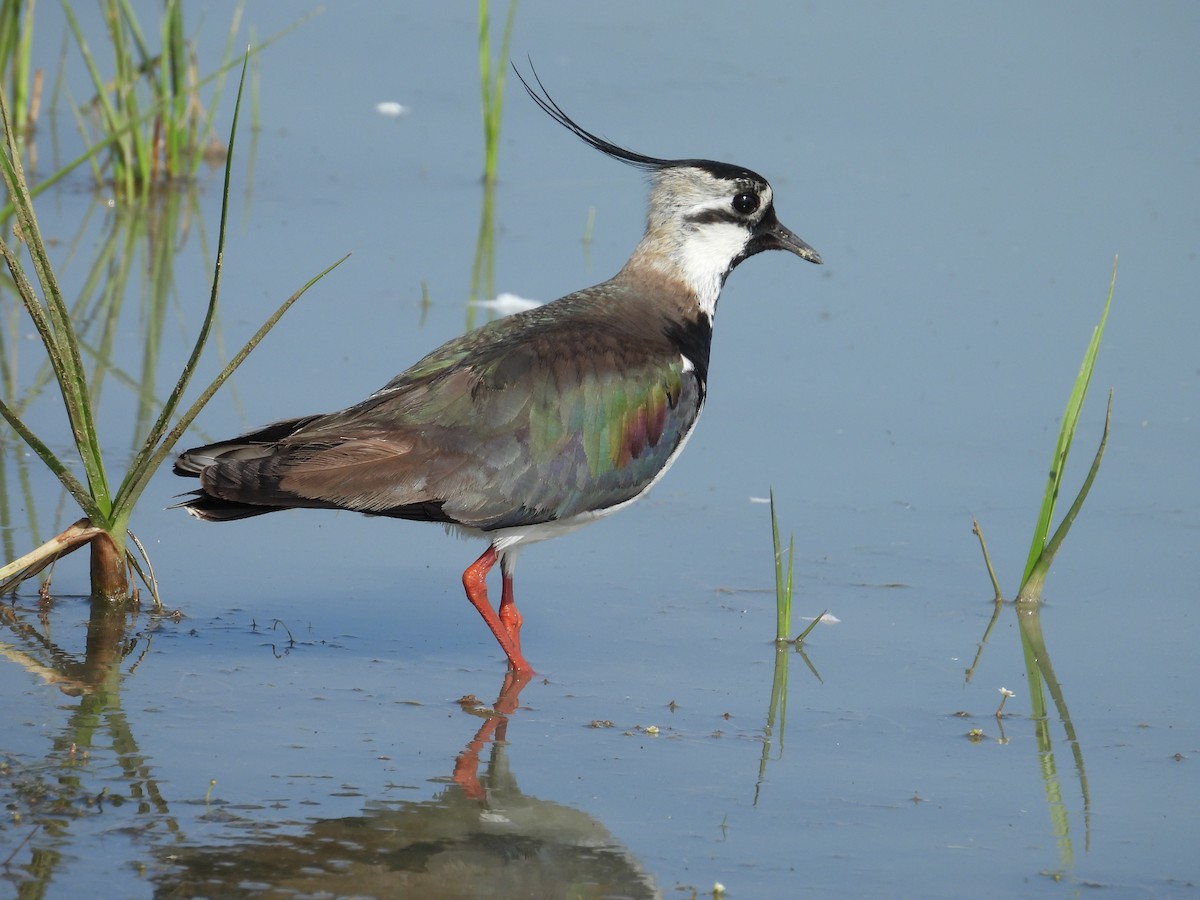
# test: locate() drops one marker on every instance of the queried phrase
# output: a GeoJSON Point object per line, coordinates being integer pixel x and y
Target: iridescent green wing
{"type": "Point", "coordinates": [555, 433]}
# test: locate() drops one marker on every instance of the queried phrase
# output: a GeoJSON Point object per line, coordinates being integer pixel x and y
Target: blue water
{"type": "Point", "coordinates": [968, 174]}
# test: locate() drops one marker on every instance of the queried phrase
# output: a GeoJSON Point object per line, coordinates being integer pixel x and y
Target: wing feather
{"type": "Point", "coordinates": [530, 419]}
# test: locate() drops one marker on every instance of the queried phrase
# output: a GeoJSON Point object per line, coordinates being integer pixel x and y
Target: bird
{"type": "Point", "coordinates": [536, 424]}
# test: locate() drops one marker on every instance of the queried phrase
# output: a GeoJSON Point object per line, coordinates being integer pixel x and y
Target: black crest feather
{"type": "Point", "coordinates": [630, 157]}
{"type": "Point", "coordinates": [543, 99]}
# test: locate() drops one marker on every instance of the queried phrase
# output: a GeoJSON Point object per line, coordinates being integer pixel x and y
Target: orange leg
{"type": "Point", "coordinates": [510, 618]}
{"type": "Point", "coordinates": [475, 582]}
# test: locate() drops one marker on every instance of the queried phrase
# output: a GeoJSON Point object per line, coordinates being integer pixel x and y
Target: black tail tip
{"type": "Point", "coordinates": [214, 509]}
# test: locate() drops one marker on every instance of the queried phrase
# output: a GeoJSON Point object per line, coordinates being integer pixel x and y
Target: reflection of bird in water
{"type": "Point", "coordinates": [481, 837]}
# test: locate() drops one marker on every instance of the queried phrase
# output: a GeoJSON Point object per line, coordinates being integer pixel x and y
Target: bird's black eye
{"type": "Point", "coordinates": [746, 202]}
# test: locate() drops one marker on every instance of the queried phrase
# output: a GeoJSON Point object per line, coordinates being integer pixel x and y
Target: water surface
{"type": "Point", "coordinates": [967, 175]}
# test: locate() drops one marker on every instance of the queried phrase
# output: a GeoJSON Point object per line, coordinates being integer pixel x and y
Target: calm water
{"type": "Point", "coordinates": [968, 174]}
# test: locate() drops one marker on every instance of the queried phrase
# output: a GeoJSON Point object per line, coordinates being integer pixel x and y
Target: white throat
{"type": "Point", "coordinates": [704, 256]}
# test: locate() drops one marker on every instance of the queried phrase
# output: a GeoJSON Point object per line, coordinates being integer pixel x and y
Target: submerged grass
{"type": "Point", "coordinates": [107, 512]}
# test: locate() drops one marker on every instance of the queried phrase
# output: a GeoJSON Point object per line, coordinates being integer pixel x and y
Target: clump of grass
{"type": "Point", "coordinates": [783, 586]}
{"type": "Point", "coordinates": [149, 115]}
{"type": "Point", "coordinates": [1045, 546]}
{"type": "Point", "coordinates": [104, 527]}
{"type": "Point", "coordinates": [151, 105]}
{"type": "Point", "coordinates": [146, 147]}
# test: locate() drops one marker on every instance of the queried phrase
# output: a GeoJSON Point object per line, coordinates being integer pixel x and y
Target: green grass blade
{"type": "Point", "coordinates": [811, 625]}
{"type": "Point", "coordinates": [1065, 435]}
{"type": "Point", "coordinates": [780, 626]}
{"type": "Point", "coordinates": [1032, 588]}
{"type": "Point", "coordinates": [787, 589]}
{"type": "Point", "coordinates": [1061, 532]}
{"type": "Point", "coordinates": [783, 578]}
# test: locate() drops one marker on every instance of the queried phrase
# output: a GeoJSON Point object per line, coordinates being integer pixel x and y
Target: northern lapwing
{"type": "Point", "coordinates": [535, 424]}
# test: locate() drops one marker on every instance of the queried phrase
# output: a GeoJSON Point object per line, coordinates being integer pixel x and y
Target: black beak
{"type": "Point", "coordinates": [777, 236]}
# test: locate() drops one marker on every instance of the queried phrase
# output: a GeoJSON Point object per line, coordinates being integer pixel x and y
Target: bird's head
{"type": "Point", "coordinates": [704, 217]}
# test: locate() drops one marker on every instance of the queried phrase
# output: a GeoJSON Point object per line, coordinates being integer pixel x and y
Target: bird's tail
{"type": "Point", "coordinates": [211, 462]}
